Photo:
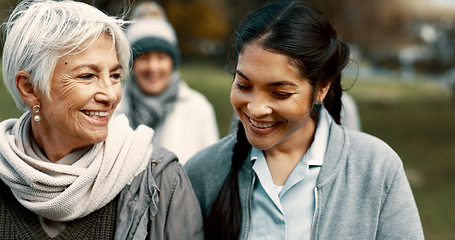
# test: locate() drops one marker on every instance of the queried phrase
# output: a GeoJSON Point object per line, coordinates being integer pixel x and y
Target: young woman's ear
{"type": "Point", "coordinates": [26, 88]}
{"type": "Point", "coordinates": [321, 92]}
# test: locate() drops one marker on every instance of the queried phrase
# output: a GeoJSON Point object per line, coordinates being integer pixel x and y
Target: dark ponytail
{"type": "Point", "coordinates": [339, 58]}
{"type": "Point", "coordinates": [332, 101]}
{"type": "Point", "coordinates": [225, 218]}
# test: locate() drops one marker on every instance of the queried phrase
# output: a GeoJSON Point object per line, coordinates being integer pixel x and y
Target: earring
{"type": "Point", "coordinates": [321, 99]}
{"type": "Point", "coordinates": [36, 111]}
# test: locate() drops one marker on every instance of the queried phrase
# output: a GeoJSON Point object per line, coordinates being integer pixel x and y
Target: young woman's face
{"type": "Point", "coordinates": [272, 100]}
{"type": "Point", "coordinates": [153, 71]}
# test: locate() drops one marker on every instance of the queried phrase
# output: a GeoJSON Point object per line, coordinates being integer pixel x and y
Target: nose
{"type": "Point", "coordinates": [151, 63]}
{"type": "Point", "coordinates": [107, 90]}
{"type": "Point", "coordinates": [259, 107]}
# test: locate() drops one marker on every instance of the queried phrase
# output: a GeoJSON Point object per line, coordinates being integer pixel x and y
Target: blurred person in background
{"type": "Point", "coordinates": [155, 95]}
{"type": "Point", "coordinates": [291, 171]}
{"type": "Point", "coordinates": [349, 115]}
{"type": "Point", "coordinates": [67, 170]}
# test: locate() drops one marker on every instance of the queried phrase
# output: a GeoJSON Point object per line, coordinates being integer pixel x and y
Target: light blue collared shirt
{"type": "Point", "coordinates": [288, 213]}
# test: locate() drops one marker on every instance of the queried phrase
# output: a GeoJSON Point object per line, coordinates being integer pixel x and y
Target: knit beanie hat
{"type": "Point", "coordinates": [153, 34]}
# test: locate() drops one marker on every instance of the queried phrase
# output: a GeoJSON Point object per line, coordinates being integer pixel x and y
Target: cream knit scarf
{"type": "Point", "coordinates": [67, 192]}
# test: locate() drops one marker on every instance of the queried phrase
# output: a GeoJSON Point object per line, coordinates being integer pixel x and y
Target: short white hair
{"type": "Point", "coordinates": [40, 32]}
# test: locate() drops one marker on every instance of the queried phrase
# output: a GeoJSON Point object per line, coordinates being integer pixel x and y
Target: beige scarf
{"type": "Point", "coordinates": [66, 192]}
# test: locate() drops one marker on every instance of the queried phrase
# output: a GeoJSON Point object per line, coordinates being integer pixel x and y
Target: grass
{"type": "Point", "coordinates": [215, 83]}
{"type": "Point", "coordinates": [415, 119]}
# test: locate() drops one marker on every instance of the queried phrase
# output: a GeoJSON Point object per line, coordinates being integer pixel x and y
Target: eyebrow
{"type": "Point", "coordinates": [117, 67]}
{"type": "Point", "coordinates": [242, 75]}
{"type": "Point", "coordinates": [273, 84]}
{"type": "Point", "coordinates": [96, 67]}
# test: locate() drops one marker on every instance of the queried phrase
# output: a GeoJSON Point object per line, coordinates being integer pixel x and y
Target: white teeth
{"type": "Point", "coordinates": [261, 125]}
{"type": "Point", "coordinates": [96, 114]}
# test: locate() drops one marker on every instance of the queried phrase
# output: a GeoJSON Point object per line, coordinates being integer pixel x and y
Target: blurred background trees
{"type": "Point", "coordinates": [400, 35]}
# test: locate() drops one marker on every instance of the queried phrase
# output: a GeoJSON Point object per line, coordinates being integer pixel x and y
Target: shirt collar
{"type": "Point", "coordinates": [317, 150]}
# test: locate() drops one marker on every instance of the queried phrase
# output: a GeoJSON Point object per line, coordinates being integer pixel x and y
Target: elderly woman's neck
{"type": "Point", "coordinates": [52, 147]}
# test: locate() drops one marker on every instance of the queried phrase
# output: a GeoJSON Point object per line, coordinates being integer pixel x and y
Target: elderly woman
{"type": "Point", "coordinates": [67, 169]}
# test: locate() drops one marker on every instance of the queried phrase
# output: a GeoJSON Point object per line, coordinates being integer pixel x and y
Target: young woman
{"type": "Point", "coordinates": [291, 171]}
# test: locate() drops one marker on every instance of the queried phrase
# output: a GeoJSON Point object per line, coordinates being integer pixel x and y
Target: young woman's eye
{"type": "Point", "coordinates": [282, 95]}
{"type": "Point", "coordinates": [240, 86]}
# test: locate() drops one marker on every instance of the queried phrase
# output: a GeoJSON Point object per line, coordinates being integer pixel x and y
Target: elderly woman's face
{"type": "Point", "coordinates": [85, 90]}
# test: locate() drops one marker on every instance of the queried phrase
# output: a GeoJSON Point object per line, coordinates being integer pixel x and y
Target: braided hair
{"type": "Point", "coordinates": [302, 33]}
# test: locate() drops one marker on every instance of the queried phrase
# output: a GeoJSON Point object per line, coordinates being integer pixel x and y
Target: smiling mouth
{"type": "Point", "coordinates": [151, 77]}
{"type": "Point", "coordinates": [96, 114]}
{"type": "Point", "coordinates": [262, 125]}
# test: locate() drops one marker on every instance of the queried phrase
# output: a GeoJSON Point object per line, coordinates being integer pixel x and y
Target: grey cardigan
{"type": "Point", "coordinates": [159, 203]}
{"type": "Point", "coordinates": [361, 193]}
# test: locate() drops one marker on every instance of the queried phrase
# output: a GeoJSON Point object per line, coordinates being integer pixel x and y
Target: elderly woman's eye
{"type": "Point", "coordinates": [116, 76]}
{"type": "Point", "coordinates": [86, 76]}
